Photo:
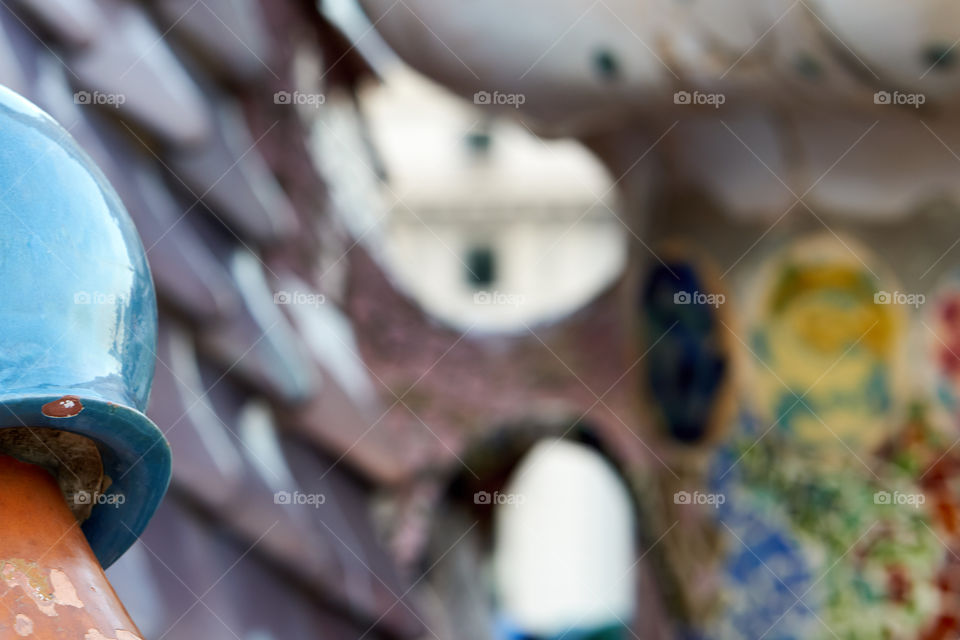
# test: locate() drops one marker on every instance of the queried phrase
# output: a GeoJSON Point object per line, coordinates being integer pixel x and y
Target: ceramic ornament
{"type": "Point", "coordinates": [826, 341]}
{"type": "Point", "coordinates": [860, 549]}
{"type": "Point", "coordinates": [688, 369]}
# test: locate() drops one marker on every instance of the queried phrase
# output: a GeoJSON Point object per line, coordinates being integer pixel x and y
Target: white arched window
{"type": "Point", "coordinates": [564, 546]}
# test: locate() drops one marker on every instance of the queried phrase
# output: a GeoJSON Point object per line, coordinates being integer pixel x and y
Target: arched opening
{"type": "Point", "coordinates": [537, 541]}
{"type": "Point", "coordinates": [563, 547]}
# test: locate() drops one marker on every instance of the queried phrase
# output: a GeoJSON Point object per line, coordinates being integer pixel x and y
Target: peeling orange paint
{"type": "Point", "coordinates": [23, 625]}
{"type": "Point", "coordinates": [17, 572]}
{"type": "Point", "coordinates": [64, 592]}
{"type": "Point", "coordinates": [46, 562]}
{"type": "Point", "coordinates": [45, 592]}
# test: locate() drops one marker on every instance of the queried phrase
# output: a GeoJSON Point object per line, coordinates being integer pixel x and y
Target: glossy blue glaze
{"type": "Point", "coordinates": [78, 315]}
{"type": "Point", "coordinates": [686, 367]}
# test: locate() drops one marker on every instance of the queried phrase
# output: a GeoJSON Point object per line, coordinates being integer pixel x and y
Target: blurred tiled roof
{"type": "Point", "coordinates": [174, 99]}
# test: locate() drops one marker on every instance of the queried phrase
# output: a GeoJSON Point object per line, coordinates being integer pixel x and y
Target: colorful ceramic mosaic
{"type": "Point", "coordinates": [766, 572]}
{"type": "Point", "coordinates": [840, 515]}
{"type": "Point", "coordinates": [940, 333]}
{"type": "Point", "coordinates": [826, 344]}
{"type": "Point", "coordinates": [866, 543]}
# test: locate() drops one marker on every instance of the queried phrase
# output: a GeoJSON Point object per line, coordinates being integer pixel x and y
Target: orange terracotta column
{"type": "Point", "coordinates": [51, 585]}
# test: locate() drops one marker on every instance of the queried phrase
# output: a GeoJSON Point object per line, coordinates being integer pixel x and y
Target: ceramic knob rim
{"type": "Point", "coordinates": [136, 457]}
